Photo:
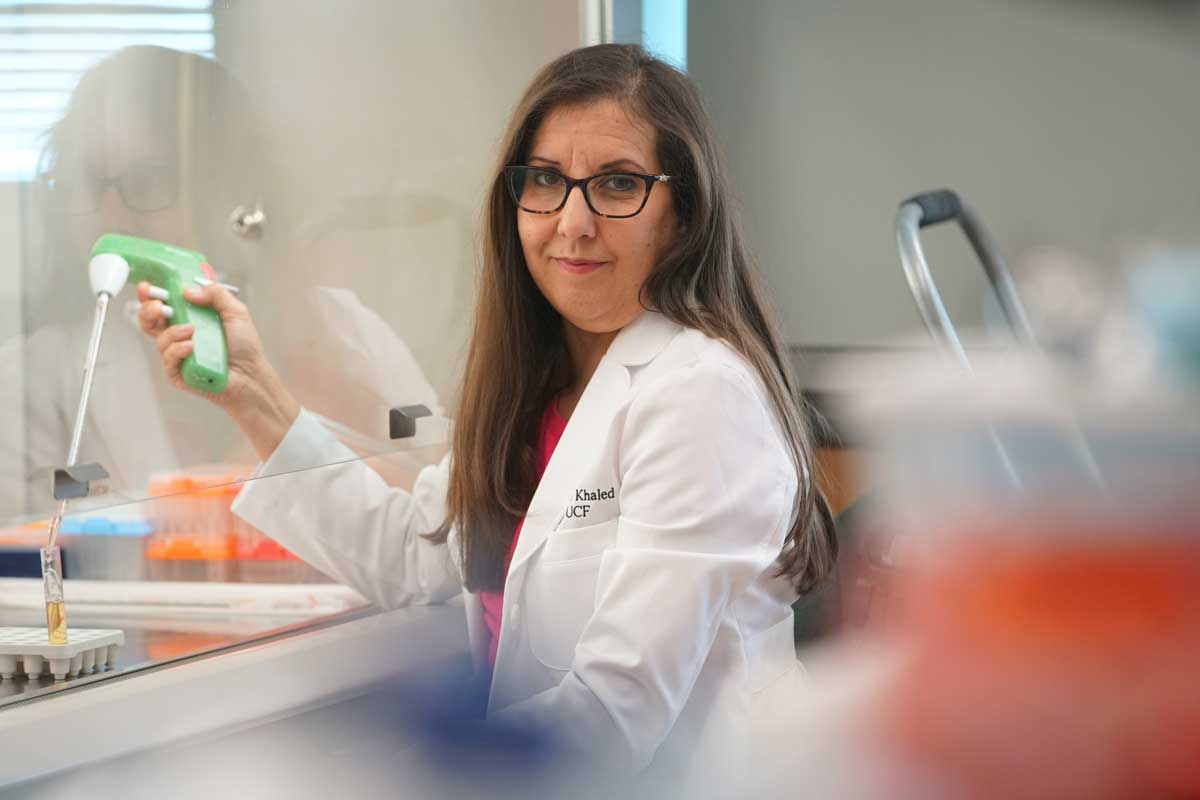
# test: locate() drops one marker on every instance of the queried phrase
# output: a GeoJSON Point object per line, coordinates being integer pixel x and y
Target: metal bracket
{"type": "Point", "coordinates": [74, 481]}
{"type": "Point", "coordinates": [247, 221]}
{"type": "Point", "coordinates": [402, 420]}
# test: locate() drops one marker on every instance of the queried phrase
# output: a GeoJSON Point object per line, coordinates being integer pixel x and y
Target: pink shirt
{"type": "Point", "coordinates": [549, 433]}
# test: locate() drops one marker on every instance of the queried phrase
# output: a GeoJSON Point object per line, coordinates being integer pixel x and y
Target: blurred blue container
{"type": "Point", "coordinates": [104, 548]}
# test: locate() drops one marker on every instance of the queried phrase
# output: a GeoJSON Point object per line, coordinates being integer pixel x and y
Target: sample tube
{"type": "Point", "coordinates": [56, 612]}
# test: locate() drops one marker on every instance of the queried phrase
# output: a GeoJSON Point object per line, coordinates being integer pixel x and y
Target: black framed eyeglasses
{"type": "Point", "coordinates": [616, 195]}
{"type": "Point", "coordinates": [143, 188]}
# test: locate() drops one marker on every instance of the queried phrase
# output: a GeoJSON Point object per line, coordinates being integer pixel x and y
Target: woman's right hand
{"type": "Point", "coordinates": [254, 396]}
{"type": "Point", "coordinates": [175, 341]}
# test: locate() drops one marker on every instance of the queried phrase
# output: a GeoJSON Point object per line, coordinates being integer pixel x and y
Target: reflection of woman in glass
{"type": "Point", "coordinates": [154, 143]}
{"type": "Point", "coordinates": [163, 145]}
{"type": "Point", "coordinates": [157, 143]}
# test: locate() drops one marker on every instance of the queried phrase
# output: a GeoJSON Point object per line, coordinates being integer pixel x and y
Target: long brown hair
{"type": "Point", "coordinates": [706, 281]}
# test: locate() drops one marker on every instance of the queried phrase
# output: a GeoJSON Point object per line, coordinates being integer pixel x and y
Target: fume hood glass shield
{"type": "Point", "coordinates": [342, 202]}
{"type": "Point", "coordinates": [184, 574]}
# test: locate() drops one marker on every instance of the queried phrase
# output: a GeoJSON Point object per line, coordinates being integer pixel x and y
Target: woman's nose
{"type": "Point", "coordinates": [112, 213]}
{"type": "Point", "coordinates": [575, 220]}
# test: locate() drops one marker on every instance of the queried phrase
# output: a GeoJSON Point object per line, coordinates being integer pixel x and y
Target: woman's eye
{"type": "Point", "coordinates": [547, 179]}
{"type": "Point", "coordinates": [620, 183]}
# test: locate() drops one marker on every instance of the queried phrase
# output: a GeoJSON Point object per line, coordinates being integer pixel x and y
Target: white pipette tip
{"type": "Point", "coordinates": [108, 273]}
{"type": "Point", "coordinates": [206, 282]}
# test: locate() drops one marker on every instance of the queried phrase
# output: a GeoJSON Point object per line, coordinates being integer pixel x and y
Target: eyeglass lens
{"type": "Point", "coordinates": [143, 187]}
{"type": "Point", "coordinates": [612, 194]}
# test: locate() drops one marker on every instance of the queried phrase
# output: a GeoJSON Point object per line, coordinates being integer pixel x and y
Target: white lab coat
{"type": "Point", "coordinates": [642, 620]}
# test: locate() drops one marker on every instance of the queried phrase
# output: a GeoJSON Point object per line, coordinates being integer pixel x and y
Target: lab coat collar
{"type": "Point", "coordinates": [643, 339]}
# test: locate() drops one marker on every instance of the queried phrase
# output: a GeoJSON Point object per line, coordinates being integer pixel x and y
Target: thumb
{"type": "Point", "coordinates": [219, 298]}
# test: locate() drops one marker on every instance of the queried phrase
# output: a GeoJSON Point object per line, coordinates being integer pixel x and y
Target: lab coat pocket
{"type": "Point", "coordinates": [771, 654]}
{"type": "Point", "coordinates": [561, 591]}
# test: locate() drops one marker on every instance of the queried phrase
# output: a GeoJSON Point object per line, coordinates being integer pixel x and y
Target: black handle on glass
{"type": "Point", "coordinates": [402, 420]}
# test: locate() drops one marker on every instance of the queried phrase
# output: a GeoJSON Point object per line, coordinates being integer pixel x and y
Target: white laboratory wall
{"type": "Point", "coordinates": [1065, 123]}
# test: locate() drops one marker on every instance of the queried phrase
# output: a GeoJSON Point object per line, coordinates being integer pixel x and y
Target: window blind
{"type": "Point", "coordinates": [46, 47]}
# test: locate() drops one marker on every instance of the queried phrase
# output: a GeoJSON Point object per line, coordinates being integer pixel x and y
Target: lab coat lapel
{"type": "Point", "coordinates": [589, 427]}
{"type": "Point", "coordinates": [584, 436]}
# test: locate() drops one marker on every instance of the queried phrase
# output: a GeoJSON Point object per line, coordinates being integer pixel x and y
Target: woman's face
{"type": "Point", "coordinates": [592, 268]}
{"type": "Point", "coordinates": [150, 200]}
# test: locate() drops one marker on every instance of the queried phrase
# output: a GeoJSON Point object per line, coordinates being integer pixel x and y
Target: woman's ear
{"type": "Point", "coordinates": [677, 218]}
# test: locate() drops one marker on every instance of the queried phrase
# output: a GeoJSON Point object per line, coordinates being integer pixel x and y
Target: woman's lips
{"type": "Point", "coordinates": [579, 266]}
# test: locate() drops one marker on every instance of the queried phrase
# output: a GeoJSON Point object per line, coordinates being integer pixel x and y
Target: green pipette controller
{"type": "Point", "coordinates": [175, 269]}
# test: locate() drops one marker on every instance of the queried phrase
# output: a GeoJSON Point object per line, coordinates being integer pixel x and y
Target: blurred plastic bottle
{"type": "Point", "coordinates": [193, 537]}
{"type": "Point", "coordinates": [1052, 622]}
{"type": "Point", "coordinates": [197, 537]}
{"type": "Point", "coordinates": [105, 548]}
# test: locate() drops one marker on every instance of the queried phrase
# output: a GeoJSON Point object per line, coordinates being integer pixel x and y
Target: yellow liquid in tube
{"type": "Point", "coordinates": [56, 622]}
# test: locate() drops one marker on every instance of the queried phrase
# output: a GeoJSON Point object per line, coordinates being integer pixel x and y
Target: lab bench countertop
{"type": "Point", "coordinates": [178, 679]}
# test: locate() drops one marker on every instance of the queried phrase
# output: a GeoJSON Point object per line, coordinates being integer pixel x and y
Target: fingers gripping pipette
{"type": "Point", "coordinates": [116, 260]}
{"type": "Point", "coordinates": [174, 269]}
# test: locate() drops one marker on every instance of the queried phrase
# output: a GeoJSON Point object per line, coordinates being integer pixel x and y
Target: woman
{"type": "Point", "coordinates": [628, 501]}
